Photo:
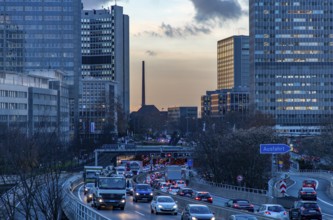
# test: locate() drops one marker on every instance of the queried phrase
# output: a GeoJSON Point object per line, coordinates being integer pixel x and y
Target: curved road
{"type": "Point", "coordinates": [324, 202]}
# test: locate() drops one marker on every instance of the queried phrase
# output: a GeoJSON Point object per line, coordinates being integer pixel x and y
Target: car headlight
{"type": "Point", "coordinates": [159, 206]}
{"type": "Point", "coordinates": [194, 218]}
{"type": "Point", "coordinates": [213, 218]}
{"type": "Point", "coordinates": [85, 189]}
{"type": "Point", "coordinates": [137, 194]}
{"type": "Point", "coordinates": [123, 201]}
{"type": "Point", "coordinates": [90, 195]}
{"type": "Point", "coordinates": [131, 189]}
{"type": "Point", "coordinates": [100, 200]}
{"type": "Point", "coordinates": [175, 206]}
{"type": "Point", "coordinates": [151, 194]}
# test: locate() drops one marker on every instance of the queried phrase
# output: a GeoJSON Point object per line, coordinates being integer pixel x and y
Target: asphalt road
{"type": "Point", "coordinates": [324, 202]}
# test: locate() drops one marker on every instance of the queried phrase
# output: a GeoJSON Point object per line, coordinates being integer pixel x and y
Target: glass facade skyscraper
{"type": "Point", "coordinates": [105, 49]}
{"type": "Point", "coordinates": [291, 58]}
{"type": "Point", "coordinates": [233, 62]}
{"type": "Point", "coordinates": [47, 36]}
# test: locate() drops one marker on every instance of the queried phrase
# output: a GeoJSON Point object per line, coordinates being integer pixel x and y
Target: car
{"type": "Point", "coordinates": [164, 186]}
{"type": "Point", "coordinates": [273, 210]}
{"type": "Point", "coordinates": [180, 183]}
{"type": "Point", "coordinates": [203, 196]}
{"type": "Point", "coordinates": [173, 190]}
{"type": "Point", "coordinates": [185, 192]}
{"type": "Point", "coordinates": [307, 193]}
{"type": "Point", "coordinates": [197, 211]}
{"type": "Point", "coordinates": [242, 204]}
{"type": "Point", "coordinates": [163, 204]}
{"type": "Point", "coordinates": [128, 174]}
{"type": "Point", "coordinates": [129, 187]}
{"type": "Point", "coordinates": [305, 210]}
{"type": "Point", "coordinates": [242, 217]}
{"type": "Point", "coordinates": [87, 187]}
{"type": "Point", "coordinates": [142, 192]}
{"type": "Point", "coordinates": [309, 183]}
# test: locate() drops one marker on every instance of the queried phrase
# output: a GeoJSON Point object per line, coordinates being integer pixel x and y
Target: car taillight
{"type": "Point", "coordinates": [267, 213]}
{"type": "Point", "coordinates": [210, 199]}
{"type": "Point", "coordinates": [284, 213]}
{"type": "Point", "coordinates": [197, 198]}
{"type": "Point", "coordinates": [314, 193]}
{"type": "Point", "coordinates": [251, 205]}
{"type": "Point", "coordinates": [303, 193]}
{"type": "Point", "coordinates": [236, 205]}
{"type": "Point", "coordinates": [181, 193]}
{"type": "Point", "coordinates": [319, 209]}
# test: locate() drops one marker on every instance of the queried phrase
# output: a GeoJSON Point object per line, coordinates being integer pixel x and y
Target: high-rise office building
{"type": "Point", "coordinates": [233, 67]}
{"type": "Point", "coordinates": [291, 56]}
{"type": "Point", "coordinates": [51, 40]}
{"type": "Point", "coordinates": [105, 49]}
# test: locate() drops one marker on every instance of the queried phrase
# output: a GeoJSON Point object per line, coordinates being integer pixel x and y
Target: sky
{"type": "Point", "coordinates": [177, 39]}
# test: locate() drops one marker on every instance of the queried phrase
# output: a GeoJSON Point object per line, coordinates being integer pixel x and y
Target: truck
{"type": "Point", "coordinates": [109, 191]}
{"type": "Point", "coordinates": [90, 173]}
{"type": "Point", "coordinates": [135, 166]}
{"type": "Point", "coordinates": [173, 173]}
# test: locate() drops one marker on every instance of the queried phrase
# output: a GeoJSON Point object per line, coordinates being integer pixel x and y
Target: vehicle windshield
{"type": "Point", "coordinates": [308, 189]}
{"type": "Point", "coordinates": [89, 185]}
{"type": "Point", "coordinates": [199, 210]}
{"type": "Point", "coordinates": [275, 209]}
{"type": "Point", "coordinates": [310, 205]}
{"type": "Point", "coordinates": [174, 187]}
{"type": "Point", "coordinates": [91, 174]}
{"type": "Point", "coordinates": [243, 202]}
{"type": "Point", "coordinates": [165, 199]}
{"type": "Point", "coordinates": [142, 187]}
{"type": "Point", "coordinates": [112, 183]}
{"type": "Point", "coordinates": [205, 195]}
{"type": "Point", "coordinates": [120, 169]}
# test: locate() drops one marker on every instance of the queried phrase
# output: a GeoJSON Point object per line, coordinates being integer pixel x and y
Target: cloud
{"type": "Point", "coordinates": [151, 53]}
{"type": "Point", "coordinates": [167, 30]}
{"type": "Point", "coordinates": [217, 10]}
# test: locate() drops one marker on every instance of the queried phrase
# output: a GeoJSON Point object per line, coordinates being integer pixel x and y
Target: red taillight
{"type": "Point", "coordinates": [197, 198]}
{"type": "Point", "coordinates": [267, 213]}
{"type": "Point", "coordinates": [303, 193]}
{"type": "Point", "coordinates": [314, 193]}
{"type": "Point", "coordinates": [210, 199]}
{"type": "Point", "coordinates": [285, 213]}
{"type": "Point", "coordinates": [236, 205]}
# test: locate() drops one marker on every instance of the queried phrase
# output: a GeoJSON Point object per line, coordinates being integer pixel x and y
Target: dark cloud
{"type": "Point", "coordinates": [183, 32]}
{"type": "Point", "coordinates": [151, 53]}
{"type": "Point", "coordinates": [207, 10]}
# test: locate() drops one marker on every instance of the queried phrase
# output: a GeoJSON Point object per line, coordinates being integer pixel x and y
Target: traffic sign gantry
{"type": "Point", "coordinates": [274, 148]}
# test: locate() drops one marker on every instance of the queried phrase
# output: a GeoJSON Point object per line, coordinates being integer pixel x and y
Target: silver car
{"type": "Point", "coordinates": [273, 210]}
{"type": "Point", "coordinates": [163, 204]}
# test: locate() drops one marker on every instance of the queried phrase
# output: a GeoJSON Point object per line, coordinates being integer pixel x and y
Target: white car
{"type": "Point", "coordinates": [181, 183]}
{"type": "Point", "coordinates": [173, 190]}
{"type": "Point", "coordinates": [273, 210]}
{"type": "Point", "coordinates": [163, 204]}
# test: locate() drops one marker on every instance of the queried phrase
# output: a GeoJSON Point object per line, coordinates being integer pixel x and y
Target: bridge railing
{"type": "Point", "coordinates": [72, 207]}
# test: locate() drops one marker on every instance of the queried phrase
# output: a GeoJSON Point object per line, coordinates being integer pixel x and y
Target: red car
{"type": "Point", "coordinates": [309, 183]}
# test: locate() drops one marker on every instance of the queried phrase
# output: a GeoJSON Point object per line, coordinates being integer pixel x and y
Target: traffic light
{"type": "Point", "coordinates": [162, 155]}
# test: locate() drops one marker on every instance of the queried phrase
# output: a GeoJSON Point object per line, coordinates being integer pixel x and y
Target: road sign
{"type": "Point", "coordinates": [190, 162]}
{"type": "Point", "coordinates": [283, 186]}
{"type": "Point", "coordinates": [240, 178]}
{"type": "Point", "coordinates": [274, 148]}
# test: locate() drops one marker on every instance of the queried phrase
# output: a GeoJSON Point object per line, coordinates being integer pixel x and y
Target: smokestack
{"type": "Point", "coordinates": [143, 85]}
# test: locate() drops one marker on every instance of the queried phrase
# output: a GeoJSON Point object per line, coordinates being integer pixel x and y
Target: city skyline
{"type": "Point", "coordinates": [177, 39]}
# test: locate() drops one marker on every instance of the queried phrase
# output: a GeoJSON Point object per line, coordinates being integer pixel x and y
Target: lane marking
{"type": "Point", "coordinates": [139, 213]}
{"type": "Point", "coordinates": [79, 195]}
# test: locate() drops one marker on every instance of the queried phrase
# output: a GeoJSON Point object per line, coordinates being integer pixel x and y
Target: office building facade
{"type": "Point", "coordinates": [105, 49]}
{"type": "Point", "coordinates": [233, 64]}
{"type": "Point", "coordinates": [51, 40]}
{"type": "Point", "coordinates": [35, 102]}
{"type": "Point", "coordinates": [291, 56]}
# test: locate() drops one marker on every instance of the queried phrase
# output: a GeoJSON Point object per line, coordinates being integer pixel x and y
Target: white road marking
{"type": "Point", "coordinates": [79, 195]}
{"type": "Point", "coordinates": [139, 213]}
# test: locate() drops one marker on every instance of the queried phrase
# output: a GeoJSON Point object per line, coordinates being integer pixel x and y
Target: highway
{"type": "Point", "coordinates": [325, 203]}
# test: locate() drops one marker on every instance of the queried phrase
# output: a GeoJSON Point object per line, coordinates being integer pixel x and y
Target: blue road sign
{"type": "Point", "coordinates": [274, 148]}
{"type": "Point", "coordinates": [190, 162]}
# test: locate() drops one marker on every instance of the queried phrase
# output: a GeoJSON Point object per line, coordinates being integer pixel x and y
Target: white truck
{"type": "Point", "coordinates": [109, 191]}
{"type": "Point", "coordinates": [173, 173]}
{"type": "Point", "coordinates": [91, 173]}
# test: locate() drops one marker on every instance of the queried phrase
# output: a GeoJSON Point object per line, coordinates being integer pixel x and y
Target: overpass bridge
{"type": "Point", "coordinates": [130, 149]}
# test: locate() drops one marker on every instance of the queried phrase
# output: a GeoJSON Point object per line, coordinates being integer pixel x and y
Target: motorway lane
{"type": "Point", "coordinates": [133, 211]}
{"type": "Point", "coordinates": [325, 203]}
